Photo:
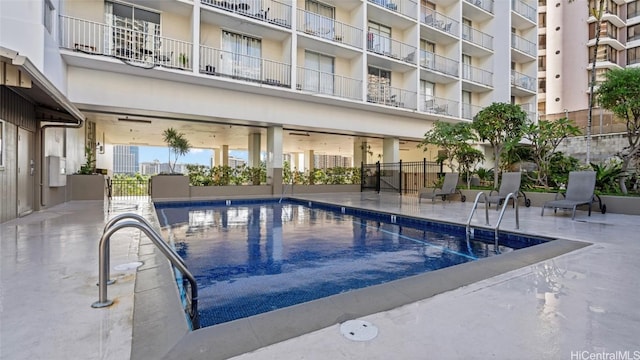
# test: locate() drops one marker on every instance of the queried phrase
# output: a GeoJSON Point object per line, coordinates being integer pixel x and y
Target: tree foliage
{"type": "Point", "coordinates": [448, 137]}
{"type": "Point", "coordinates": [620, 93]}
{"type": "Point", "coordinates": [178, 144]}
{"type": "Point", "coordinates": [468, 156]}
{"type": "Point", "coordinates": [545, 136]}
{"type": "Point", "coordinates": [500, 124]}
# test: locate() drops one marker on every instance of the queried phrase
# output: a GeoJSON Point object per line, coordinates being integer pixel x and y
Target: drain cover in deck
{"type": "Point", "coordinates": [358, 330]}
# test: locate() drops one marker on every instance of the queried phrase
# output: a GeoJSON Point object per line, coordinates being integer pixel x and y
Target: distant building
{"type": "Point", "coordinates": [331, 161]}
{"type": "Point", "coordinates": [156, 167]}
{"type": "Point", "coordinates": [125, 159]}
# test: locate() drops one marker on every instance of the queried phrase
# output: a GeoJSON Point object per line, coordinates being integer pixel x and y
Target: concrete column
{"type": "Point", "coordinates": [254, 150]}
{"type": "Point", "coordinates": [390, 150]}
{"type": "Point", "coordinates": [308, 161]}
{"type": "Point", "coordinates": [223, 158]}
{"type": "Point", "coordinates": [195, 36]}
{"type": "Point", "coordinates": [360, 154]}
{"type": "Point", "coordinates": [274, 158]}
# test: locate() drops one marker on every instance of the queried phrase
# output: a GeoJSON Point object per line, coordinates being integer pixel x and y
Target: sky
{"type": "Point", "coordinates": [195, 156]}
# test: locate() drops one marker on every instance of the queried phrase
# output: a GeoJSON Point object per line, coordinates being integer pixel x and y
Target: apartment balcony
{"type": "Point", "coordinates": [469, 111]}
{"type": "Point", "coordinates": [329, 29]}
{"type": "Point", "coordinates": [269, 11]}
{"type": "Point", "coordinates": [391, 96]}
{"type": "Point", "coordinates": [407, 8]}
{"type": "Point", "coordinates": [439, 106]}
{"type": "Point", "coordinates": [243, 67]}
{"type": "Point", "coordinates": [475, 42]}
{"type": "Point", "coordinates": [390, 48]}
{"type": "Point", "coordinates": [526, 15]}
{"type": "Point", "coordinates": [439, 28]}
{"type": "Point", "coordinates": [522, 85]}
{"type": "Point", "coordinates": [134, 47]}
{"type": "Point", "coordinates": [526, 50]}
{"type": "Point", "coordinates": [476, 79]}
{"type": "Point", "coordinates": [441, 65]}
{"type": "Point", "coordinates": [486, 5]}
{"type": "Point", "coordinates": [530, 109]}
{"type": "Point", "coordinates": [318, 82]}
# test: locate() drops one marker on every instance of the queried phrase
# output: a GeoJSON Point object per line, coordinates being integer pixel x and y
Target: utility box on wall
{"type": "Point", "coordinates": [57, 171]}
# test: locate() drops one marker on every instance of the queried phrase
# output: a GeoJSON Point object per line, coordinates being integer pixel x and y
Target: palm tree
{"type": "Point", "coordinates": [177, 143]}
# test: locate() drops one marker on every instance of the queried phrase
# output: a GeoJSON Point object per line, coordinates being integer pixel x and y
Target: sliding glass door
{"type": "Point", "coordinates": [241, 56]}
{"type": "Point", "coordinates": [319, 73]}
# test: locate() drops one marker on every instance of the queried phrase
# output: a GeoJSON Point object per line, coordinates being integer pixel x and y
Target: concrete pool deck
{"type": "Point", "coordinates": [580, 303]}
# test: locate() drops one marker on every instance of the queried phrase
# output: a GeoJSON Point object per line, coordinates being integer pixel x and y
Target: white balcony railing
{"type": "Point", "coordinates": [523, 45]}
{"type": "Point", "coordinates": [328, 84]}
{"type": "Point", "coordinates": [477, 75]}
{"type": "Point", "coordinates": [486, 5]}
{"type": "Point", "coordinates": [431, 61]}
{"type": "Point", "coordinates": [477, 37]}
{"type": "Point", "coordinates": [329, 29]}
{"type": "Point", "coordinates": [404, 7]}
{"type": "Point", "coordinates": [469, 111]}
{"type": "Point", "coordinates": [125, 44]}
{"type": "Point", "coordinates": [271, 11]}
{"type": "Point", "coordinates": [524, 9]}
{"type": "Point", "coordinates": [523, 81]}
{"type": "Point", "coordinates": [243, 67]}
{"type": "Point", "coordinates": [388, 47]}
{"type": "Point", "coordinates": [440, 106]}
{"type": "Point", "coordinates": [391, 96]}
{"type": "Point", "coordinates": [439, 21]}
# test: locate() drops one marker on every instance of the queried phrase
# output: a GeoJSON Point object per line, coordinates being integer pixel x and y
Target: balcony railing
{"type": "Point", "coordinates": [469, 111]}
{"type": "Point", "coordinates": [440, 106]}
{"type": "Point", "coordinates": [328, 28]}
{"type": "Point", "coordinates": [390, 96]}
{"type": "Point", "coordinates": [525, 9]}
{"type": "Point", "coordinates": [523, 45]}
{"type": "Point", "coordinates": [388, 47]}
{"type": "Point", "coordinates": [329, 84]}
{"type": "Point", "coordinates": [404, 7]}
{"type": "Point", "coordinates": [523, 81]}
{"type": "Point", "coordinates": [125, 44]}
{"type": "Point", "coordinates": [271, 11]}
{"type": "Point", "coordinates": [477, 37]}
{"type": "Point", "coordinates": [477, 75]}
{"type": "Point", "coordinates": [431, 61]}
{"type": "Point", "coordinates": [530, 110]}
{"type": "Point", "coordinates": [486, 5]}
{"type": "Point", "coordinates": [438, 21]}
{"type": "Point", "coordinates": [243, 67]}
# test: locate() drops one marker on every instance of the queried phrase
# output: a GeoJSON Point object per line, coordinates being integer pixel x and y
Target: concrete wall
{"type": "Point", "coordinates": [602, 146]}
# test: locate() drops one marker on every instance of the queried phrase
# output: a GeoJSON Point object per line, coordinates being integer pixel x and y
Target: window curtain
{"type": "Point", "coordinates": [241, 56]}
{"type": "Point", "coordinates": [319, 73]}
{"type": "Point", "coordinates": [319, 19]}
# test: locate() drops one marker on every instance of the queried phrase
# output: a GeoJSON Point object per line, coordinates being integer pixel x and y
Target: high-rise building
{"type": "Point", "coordinates": [567, 32]}
{"type": "Point", "coordinates": [125, 159]}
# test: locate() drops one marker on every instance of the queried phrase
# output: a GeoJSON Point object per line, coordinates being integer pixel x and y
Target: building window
{"type": "Point", "coordinates": [135, 32]}
{"type": "Point", "coordinates": [379, 38]}
{"type": "Point", "coordinates": [48, 16]}
{"type": "Point", "coordinates": [610, 7]}
{"type": "Point", "coordinates": [319, 19]}
{"type": "Point", "coordinates": [633, 9]}
{"type": "Point", "coordinates": [633, 32]}
{"type": "Point", "coordinates": [241, 56]}
{"type": "Point", "coordinates": [542, 85]}
{"type": "Point", "coordinates": [318, 73]}
{"type": "Point", "coordinates": [2, 143]}
{"type": "Point", "coordinates": [542, 42]}
{"type": "Point", "coordinates": [542, 20]}
{"type": "Point", "coordinates": [633, 56]}
{"type": "Point", "coordinates": [605, 53]}
{"type": "Point", "coordinates": [542, 63]}
{"type": "Point", "coordinates": [379, 85]}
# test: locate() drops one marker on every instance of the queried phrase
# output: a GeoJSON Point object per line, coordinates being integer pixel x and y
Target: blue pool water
{"type": "Point", "coordinates": [249, 258]}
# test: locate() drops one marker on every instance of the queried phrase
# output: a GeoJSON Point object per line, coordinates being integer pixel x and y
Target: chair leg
{"type": "Point", "coordinates": [573, 215]}
{"type": "Point", "coordinates": [542, 211]}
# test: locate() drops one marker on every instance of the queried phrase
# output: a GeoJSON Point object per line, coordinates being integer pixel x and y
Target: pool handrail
{"type": "Point", "coordinates": [496, 228]}
{"type": "Point", "coordinates": [103, 262]}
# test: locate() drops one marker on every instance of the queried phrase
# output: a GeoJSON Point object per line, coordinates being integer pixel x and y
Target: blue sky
{"type": "Point", "coordinates": [195, 156]}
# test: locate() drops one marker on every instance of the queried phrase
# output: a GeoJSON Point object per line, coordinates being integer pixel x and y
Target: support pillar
{"type": "Point", "coordinates": [254, 150]}
{"type": "Point", "coordinates": [360, 154]}
{"type": "Point", "coordinates": [390, 150]}
{"type": "Point", "coordinates": [274, 159]}
{"type": "Point", "coordinates": [309, 163]}
{"type": "Point", "coordinates": [223, 156]}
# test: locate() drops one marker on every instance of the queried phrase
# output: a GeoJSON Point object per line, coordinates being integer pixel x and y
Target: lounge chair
{"type": "Point", "coordinates": [448, 188]}
{"type": "Point", "coordinates": [510, 183]}
{"type": "Point", "coordinates": [580, 191]}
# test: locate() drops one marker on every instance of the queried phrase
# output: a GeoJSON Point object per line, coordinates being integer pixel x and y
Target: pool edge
{"type": "Point", "coordinates": [245, 335]}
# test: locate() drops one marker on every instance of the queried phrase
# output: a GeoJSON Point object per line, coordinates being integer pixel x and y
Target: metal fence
{"type": "Point", "coordinates": [130, 188]}
{"type": "Point", "coordinates": [400, 177]}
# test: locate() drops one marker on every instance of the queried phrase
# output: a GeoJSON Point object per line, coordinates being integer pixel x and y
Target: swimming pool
{"type": "Point", "coordinates": [253, 257]}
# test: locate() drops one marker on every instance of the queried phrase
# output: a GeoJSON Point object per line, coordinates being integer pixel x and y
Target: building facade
{"type": "Point", "coordinates": [125, 160]}
{"type": "Point", "coordinates": [338, 77]}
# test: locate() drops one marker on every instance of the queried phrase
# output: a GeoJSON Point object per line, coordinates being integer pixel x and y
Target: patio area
{"type": "Point", "coordinates": [568, 307]}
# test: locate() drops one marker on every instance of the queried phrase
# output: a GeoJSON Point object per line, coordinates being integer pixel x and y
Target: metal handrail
{"type": "Point", "coordinates": [473, 210]}
{"type": "Point", "coordinates": [504, 206]}
{"type": "Point", "coordinates": [486, 209]}
{"type": "Point", "coordinates": [103, 263]}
